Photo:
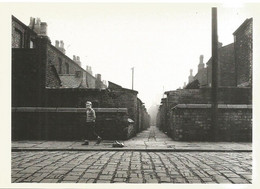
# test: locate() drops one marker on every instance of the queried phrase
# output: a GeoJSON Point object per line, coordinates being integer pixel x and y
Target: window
{"type": "Point", "coordinates": [17, 39]}
{"type": "Point", "coordinates": [31, 44]}
{"type": "Point", "coordinates": [60, 66]}
{"type": "Point", "coordinates": [67, 68]}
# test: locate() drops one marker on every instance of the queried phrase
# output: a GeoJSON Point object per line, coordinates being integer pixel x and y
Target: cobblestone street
{"type": "Point", "coordinates": [113, 166]}
{"type": "Point", "coordinates": [131, 167]}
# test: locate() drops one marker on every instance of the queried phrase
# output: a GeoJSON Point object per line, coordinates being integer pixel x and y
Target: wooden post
{"type": "Point", "coordinates": [132, 78]}
{"type": "Point", "coordinates": [214, 88]}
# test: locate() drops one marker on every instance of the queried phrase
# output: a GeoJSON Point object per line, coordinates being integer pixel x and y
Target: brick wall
{"type": "Point", "coordinates": [244, 52]}
{"type": "Point", "coordinates": [226, 95]}
{"type": "Point", "coordinates": [226, 67]}
{"type": "Point", "coordinates": [27, 79]}
{"type": "Point", "coordinates": [193, 123]}
{"type": "Point", "coordinates": [21, 34]}
{"type": "Point", "coordinates": [116, 98]}
{"type": "Point", "coordinates": [68, 124]}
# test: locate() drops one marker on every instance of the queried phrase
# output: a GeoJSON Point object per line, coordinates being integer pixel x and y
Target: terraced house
{"type": "Point", "coordinates": [49, 91]}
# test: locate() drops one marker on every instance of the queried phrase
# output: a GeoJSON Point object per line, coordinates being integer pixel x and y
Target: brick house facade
{"type": "Point", "coordinates": [234, 61]}
{"type": "Point", "coordinates": [243, 45]}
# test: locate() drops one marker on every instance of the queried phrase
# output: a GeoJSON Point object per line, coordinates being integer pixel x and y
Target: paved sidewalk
{"type": "Point", "coordinates": [148, 140]}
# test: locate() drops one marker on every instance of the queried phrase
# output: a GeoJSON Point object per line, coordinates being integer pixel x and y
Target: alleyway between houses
{"type": "Point", "coordinates": [150, 157]}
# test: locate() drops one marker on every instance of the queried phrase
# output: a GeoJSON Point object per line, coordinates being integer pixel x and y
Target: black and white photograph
{"type": "Point", "coordinates": [130, 93]}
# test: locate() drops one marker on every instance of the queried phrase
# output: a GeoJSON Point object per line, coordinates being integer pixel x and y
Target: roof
{"type": "Point", "coordinates": [243, 25]}
{"type": "Point", "coordinates": [71, 61]}
{"type": "Point", "coordinates": [70, 81]}
{"type": "Point", "coordinates": [221, 51]}
{"type": "Point", "coordinates": [193, 85]}
{"type": "Point", "coordinates": [112, 86]}
{"type": "Point", "coordinates": [22, 24]}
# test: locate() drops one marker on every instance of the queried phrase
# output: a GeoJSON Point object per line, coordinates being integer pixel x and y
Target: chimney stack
{"type": "Point", "coordinates": [31, 22]}
{"type": "Point", "coordinates": [98, 82]}
{"type": "Point", "coordinates": [201, 64]}
{"type": "Point", "coordinates": [89, 70]}
{"type": "Point", "coordinates": [98, 76]}
{"type": "Point", "coordinates": [191, 78]}
{"type": "Point", "coordinates": [43, 28]}
{"type": "Point", "coordinates": [60, 46]}
{"type": "Point", "coordinates": [77, 60]}
{"type": "Point", "coordinates": [57, 44]}
{"type": "Point", "coordinates": [201, 59]}
{"type": "Point", "coordinates": [37, 27]}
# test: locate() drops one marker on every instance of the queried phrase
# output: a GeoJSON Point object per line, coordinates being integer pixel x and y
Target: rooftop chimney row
{"type": "Point", "coordinates": [60, 45]}
{"type": "Point", "coordinates": [39, 27]}
{"type": "Point", "coordinates": [77, 59]}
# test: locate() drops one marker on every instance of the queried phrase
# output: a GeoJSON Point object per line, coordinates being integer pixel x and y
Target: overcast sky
{"type": "Point", "coordinates": [161, 41]}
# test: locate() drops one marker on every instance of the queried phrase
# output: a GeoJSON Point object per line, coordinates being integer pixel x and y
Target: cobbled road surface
{"type": "Point", "coordinates": [131, 167]}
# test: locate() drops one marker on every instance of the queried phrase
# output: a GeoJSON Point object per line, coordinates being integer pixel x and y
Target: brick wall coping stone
{"type": "Point", "coordinates": [221, 106]}
{"type": "Point", "coordinates": [49, 109]}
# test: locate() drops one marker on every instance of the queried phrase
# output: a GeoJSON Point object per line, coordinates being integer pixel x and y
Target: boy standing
{"type": "Point", "coordinates": [90, 123]}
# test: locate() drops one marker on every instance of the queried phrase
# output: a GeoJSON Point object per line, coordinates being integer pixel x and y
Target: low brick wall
{"type": "Point", "coordinates": [192, 122]}
{"type": "Point", "coordinates": [42, 123]}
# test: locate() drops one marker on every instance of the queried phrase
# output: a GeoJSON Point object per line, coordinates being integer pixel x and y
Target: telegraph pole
{"type": "Point", "coordinates": [214, 88]}
{"type": "Point", "coordinates": [132, 78]}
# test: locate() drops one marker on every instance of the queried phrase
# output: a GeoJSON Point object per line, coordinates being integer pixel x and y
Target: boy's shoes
{"type": "Point", "coordinates": [99, 139]}
{"type": "Point", "coordinates": [86, 142]}
{"type": "Point", "coordinates": [118, 144]}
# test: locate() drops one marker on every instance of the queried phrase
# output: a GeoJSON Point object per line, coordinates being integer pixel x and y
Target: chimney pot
{"type": "Point", "coordinates": [74, 57]}
{"type": "Point", "coordinates": [37, 27]}
{"type": "Point", "coordinates": [61, 44]}
{"type": "Point", "coordinates": [31, 22]}
{"type": "Point", "coordinates": [57, 44]}
{"type": "Point", "coordinates": [201, 59]}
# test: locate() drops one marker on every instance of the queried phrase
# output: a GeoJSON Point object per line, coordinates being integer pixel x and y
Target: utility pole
{"type": "Point", "coordinates": [214, 88]}
{"type": "Point", "coordinates": [132, 78]}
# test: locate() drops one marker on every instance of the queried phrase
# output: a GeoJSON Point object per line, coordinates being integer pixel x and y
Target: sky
{"type": "Point", "coordinates": [162, 41]}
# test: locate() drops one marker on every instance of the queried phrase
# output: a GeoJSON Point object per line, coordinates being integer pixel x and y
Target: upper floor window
{"type": "Point", "coordinates": [60, 66]}
{"type": "Point", "coordinates": [67, 68]}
